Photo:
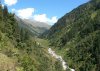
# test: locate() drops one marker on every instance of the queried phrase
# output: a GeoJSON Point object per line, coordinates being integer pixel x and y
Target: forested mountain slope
{"type": "Point", "coordinates": [35, 27]}
{"type": "Point", "coordinates": [78, 32]}
{"type": "Point", "coordinates": [18, 49]}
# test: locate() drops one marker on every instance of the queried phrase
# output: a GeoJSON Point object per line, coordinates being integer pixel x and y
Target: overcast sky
{"type": "Point", "coordinates": [48, 11]}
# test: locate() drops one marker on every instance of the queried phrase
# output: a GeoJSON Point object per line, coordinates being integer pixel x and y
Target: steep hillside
{"type": "Point", "coordinates": [35, 27]}
{"type": "Point", "coordinates": [18, 49]}
{"type": "Point", "coordinates": [78, 33]}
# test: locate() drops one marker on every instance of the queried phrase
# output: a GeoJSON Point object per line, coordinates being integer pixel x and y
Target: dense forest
{"type": "Point", "coordinates": [18, 49]}
{"type": "Point", "coordinates": [76, 36]}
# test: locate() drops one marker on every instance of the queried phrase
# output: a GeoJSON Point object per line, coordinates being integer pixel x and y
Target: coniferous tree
{"type": "Point", "coordinates": [5, 11]}
{"type": "Point", "coordinates": [0, 10]}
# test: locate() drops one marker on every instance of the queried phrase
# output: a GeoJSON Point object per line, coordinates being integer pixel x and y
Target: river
{"type": "Point", "coordinates": [64, 64]}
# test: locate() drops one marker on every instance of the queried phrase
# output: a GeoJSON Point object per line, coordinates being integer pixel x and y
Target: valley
{"type": "Point", "coordinates": [44, 43]}
{"type": "Point", "coordinates": [71, 44]}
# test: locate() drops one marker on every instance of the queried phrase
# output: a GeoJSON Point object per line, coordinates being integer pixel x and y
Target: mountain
{"type": "Point", "coordinates": [77, 37]}
{"type": "Point", "coordinates": [35, 27]}
{"type": "Point", "coordinates": [19, 51]}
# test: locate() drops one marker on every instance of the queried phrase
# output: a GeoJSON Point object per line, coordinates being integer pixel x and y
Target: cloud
{"type": "Point", "coordinates": [40, 18]}
{"type": "Point", "coordinates": [10, 2]}
{"type": "Point", "coordinates": [54, 19]}
{"type": "Point", "coordinates": [44, 18]}
{"type": "Point", "coordinates": [13, 10]}
{"type": "Point", "coordinates": [25, 13]}
{"type": "Point", "coordinates": [3, 5]}
{"type": "Point", "coordinates": [28, 13]}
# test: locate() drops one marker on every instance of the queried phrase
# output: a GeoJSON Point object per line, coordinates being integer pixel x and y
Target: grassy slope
{"type": "Point", "coordinates": [33, 58]}
{"type": "Point", "coordinates": [19, 51]}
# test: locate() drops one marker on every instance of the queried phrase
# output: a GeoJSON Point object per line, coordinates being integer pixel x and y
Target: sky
{"type": "Point", "coordinates": [48, 11]}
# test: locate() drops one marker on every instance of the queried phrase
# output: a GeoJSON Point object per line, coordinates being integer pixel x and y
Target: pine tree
{"type": "Point", "coordinates": [0, 9]}
{"type": "Point", "coordinates": [5, 11]}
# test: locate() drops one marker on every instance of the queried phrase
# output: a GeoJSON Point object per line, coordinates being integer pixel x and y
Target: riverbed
{"type": "Point", "coordinates": [58, 57]}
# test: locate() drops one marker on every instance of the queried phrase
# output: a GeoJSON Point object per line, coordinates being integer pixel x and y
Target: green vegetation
{"type": "Point", "coordinates": [42, 42]}
{"type": "Point", "coordinates": [19, 50]}
{"type": "Point", "coordinates": [76, 36]}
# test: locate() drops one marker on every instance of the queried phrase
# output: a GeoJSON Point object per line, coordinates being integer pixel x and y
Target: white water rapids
{"type": "Point", "coordinates": [64, 64]}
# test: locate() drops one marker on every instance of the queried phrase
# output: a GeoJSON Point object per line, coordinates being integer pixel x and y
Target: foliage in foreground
{"type": "Point", "coordinates": [18, 49]}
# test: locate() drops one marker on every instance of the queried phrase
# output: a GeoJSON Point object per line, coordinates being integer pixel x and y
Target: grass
{"type": "Point", "coordinates": [42, 42]}
{"type": "Point", "coordinates": [6, 63]}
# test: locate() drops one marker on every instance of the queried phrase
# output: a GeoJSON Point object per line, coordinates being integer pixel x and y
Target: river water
{"type": "Point", "coordinates": [64, 64]}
